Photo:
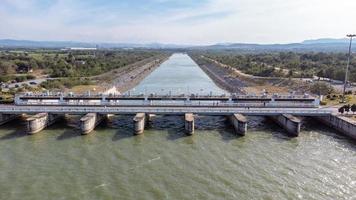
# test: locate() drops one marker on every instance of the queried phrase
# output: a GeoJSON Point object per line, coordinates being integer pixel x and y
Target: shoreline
{"type": "Point", "coordinates": [129, 76]}
{"type": "Point", "coordinates": [139, 74]}
{"type": "Point", "coordinates": [234, 80]}
{"type": "Point", "coordinates": [220, 76]}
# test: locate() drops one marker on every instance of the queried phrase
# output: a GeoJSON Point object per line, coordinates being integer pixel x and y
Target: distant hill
{"type": "Point", "coordinates": [43, 44]}
{"type": "Point", "coordinates": [10, 43]}
{"type": "Point", "coordinates": [326, 41]}
{"type": "Point", "coordinates": [324, 45]}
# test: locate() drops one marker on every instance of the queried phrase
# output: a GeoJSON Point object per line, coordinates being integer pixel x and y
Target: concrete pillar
{"type": "Point", "coordinates": [38, 122]}
{"type": "Point", "coordinates": [139, 123]}
{"type": "Point", "coordinates": [109, 117]}
{"type": "Point", "coordinates": [239, 122]}
{"type": "Point", "coordinates": [289, 122]}
{"type": "Point", "coordinates": [150, 117]}
{"type": "Point", "coordinates": [4, 118]}
{"type": "Point", "coordinates": [89, 122]}
{"type": "Point", "coordinates": [189, 123]}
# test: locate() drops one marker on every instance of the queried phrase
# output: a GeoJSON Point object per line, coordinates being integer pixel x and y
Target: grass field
{"type": "Point", "coordinates": [86, 88]}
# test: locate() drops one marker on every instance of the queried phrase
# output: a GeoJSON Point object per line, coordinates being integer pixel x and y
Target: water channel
{"type": "Point", "coordinates": [111, 163]}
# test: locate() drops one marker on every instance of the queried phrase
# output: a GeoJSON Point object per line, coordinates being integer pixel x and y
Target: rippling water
{"type": "Point", "coordinates": [163, 163]}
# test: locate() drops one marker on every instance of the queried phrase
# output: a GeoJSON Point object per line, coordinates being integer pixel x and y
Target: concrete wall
{"type": "Point", "coordinates": [239, 123]}
{"type": "Point", "coordinates": [290, 123]}
{"type": "Point", "coordinates": [89, 122]}
{"type": "Point", "coordinates": [341, 124]}
{"type": "Point", "coordinates": [139, 123]}
{"type": "Point", "coordinates": [189, 123]}
{"type": "Point", "coordinates": [4, 118]}
{"type": "Point", "coordinates": [38, 122]}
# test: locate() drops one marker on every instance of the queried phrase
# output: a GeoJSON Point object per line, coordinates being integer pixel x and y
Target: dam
{"type": "Point", "coordinates": [284, 109]}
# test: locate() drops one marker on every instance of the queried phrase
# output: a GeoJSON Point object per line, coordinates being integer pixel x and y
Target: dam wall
{"type": "Point", "coordinates": [342, 124]}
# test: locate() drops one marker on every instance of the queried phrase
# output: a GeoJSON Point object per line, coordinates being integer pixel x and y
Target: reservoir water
{"type": "Point", "coordinates": [111, 163]}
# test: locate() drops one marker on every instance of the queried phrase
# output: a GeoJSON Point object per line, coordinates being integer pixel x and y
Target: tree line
{"type": "Point", "coordinates": [69, 63]}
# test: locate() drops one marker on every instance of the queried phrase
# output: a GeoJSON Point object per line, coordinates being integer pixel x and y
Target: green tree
{"type": "Point", "coordinates": [347, 108]}
{"type": "Point", "coordinates": [353, 108]}
{"type": "Point", "coordinates": [33, 64]}
{"type": "Point", "coordinates": [342, 110]}
{"type": "Point", "coordinates": [321, 73]}
{"type": "Point", "coordinates": [321, 88]}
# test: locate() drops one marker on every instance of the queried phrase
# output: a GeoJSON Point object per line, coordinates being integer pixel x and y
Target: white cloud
{"type": "Point", "coordinates": [273, 21]}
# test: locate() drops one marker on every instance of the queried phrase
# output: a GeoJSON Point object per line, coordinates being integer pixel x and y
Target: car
{"type": "Point", "coordinates": [16, 86]}
{"type": "Point", "coordinates": [33, 83]}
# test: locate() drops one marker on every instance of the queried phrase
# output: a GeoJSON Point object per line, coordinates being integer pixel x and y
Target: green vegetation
{"type": "Point", "coordinates": [64, 83]}
{"type": "Point", "coordinates": [68, 63]}
{"type": "Point", "coordinates": [20, 78]}
{"type": "Point", "coordinates": [287, 64]}
{"type": "Point", "coordinates": [321, 88]}
{"type": "Point", "coordinates": [347, 108]}
{"type": "Point", "coordinates": [72, 68]}
{"type": "Point", "coordinates": [335, 99]}
{"type": "Point", "coordinates": [6, 98]}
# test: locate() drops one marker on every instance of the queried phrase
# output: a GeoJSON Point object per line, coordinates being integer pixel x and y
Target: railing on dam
{"type": "Point", "coordinates": [168, 100]}
{"type": "Point", "coordinates": [168, 104]}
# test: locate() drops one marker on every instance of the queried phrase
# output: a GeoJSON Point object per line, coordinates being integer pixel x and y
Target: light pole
{"type": "Point", "coordinates": [347, 66]}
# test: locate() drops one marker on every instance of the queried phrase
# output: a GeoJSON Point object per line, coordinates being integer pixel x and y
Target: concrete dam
{"type": "Point", "coordinates": [287, 111]}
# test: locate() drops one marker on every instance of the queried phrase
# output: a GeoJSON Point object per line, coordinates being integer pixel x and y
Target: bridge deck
{"type": "Point", "coordinates": [166, 110]}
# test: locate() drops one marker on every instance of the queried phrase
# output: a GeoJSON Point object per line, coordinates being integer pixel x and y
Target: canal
{"type": "Point", "coordinates": [163, 163]}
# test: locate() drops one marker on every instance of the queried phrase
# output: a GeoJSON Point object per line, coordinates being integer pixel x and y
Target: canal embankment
{"type": "Point", "coordinates": [125, 78]}
{"type": "Point", "coordinates": [220, 75]}
{"type": "Point", "coordinates": [234, 80]}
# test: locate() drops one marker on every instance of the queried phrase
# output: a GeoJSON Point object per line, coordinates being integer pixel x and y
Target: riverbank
{"type": "Point", "coordinates": [128, 77]}
{"type": "Point", "coordinates": [221, 76]}
{"type": "Point", "coordinates": [123, 79]}
{"type": "Point", "coordinates": [234, 80]}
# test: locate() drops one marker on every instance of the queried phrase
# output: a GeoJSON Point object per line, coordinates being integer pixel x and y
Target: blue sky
{"type": "Point", "coordinates": [176, 21]}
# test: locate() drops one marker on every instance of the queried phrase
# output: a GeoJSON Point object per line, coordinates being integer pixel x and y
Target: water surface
{"type": "Point", "coordinates": [178, 75]}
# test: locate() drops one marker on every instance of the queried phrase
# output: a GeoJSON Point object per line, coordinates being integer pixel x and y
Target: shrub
{"type": "Point", "coordinates": [321, 88]}
{"type": "Point", "coordinates": [353, 108]}
{"type": "Point", "coordinates": [323, 103]}
{"type": "Point", "coordinates": [341, 110]}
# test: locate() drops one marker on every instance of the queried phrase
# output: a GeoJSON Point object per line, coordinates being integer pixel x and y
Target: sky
{"type": "Point", "coordinates": [177, 21]}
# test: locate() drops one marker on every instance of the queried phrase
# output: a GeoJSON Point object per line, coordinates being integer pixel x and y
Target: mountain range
{"type": "Point", "coordinates": [325, 44]}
